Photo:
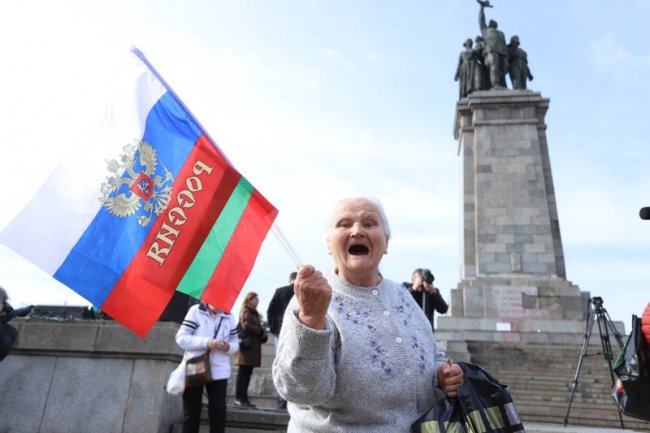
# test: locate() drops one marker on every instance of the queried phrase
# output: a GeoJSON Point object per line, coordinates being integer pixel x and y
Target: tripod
{"type": "Point", "coordinates": [597, 313]}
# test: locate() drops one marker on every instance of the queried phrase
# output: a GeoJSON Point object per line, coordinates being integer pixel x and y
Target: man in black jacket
{"type": "Point", "coordinates": [425, 294]}
{"type": "Point", "coordinates": [278, 304]}
{"type": "Point", "coordinates": [275, 314]}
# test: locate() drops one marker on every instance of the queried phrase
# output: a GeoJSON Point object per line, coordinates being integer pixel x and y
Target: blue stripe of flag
{"type": "Point", "coordinates": [108, 245]}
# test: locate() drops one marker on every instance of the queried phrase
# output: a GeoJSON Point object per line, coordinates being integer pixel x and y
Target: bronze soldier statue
{"type": "Point", "coordinates": [495, 52]}
{"type": "Point", "coordinates": [467, 70]}
{"type": "Point", "coordinates": [518, 64]}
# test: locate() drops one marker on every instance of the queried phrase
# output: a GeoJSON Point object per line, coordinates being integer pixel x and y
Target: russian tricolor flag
{"type": "Point", "coordinates": [155, 207]}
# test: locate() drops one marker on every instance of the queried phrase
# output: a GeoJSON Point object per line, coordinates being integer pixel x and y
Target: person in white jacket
{"type": "Point", "coordinates": [207, 328]}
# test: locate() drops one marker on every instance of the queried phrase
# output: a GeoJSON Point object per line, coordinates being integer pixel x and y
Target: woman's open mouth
{"type": "Point", "coordinates": [358, 250]}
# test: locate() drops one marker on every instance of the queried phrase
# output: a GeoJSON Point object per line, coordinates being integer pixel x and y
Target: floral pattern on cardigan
{"type": "Point", "coordinates": [361, 316]}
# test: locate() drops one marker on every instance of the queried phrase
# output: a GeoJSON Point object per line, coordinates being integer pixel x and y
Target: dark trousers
{"type": "Point", "coordinates": [193, 402]}
{"type": "Point", "coordinates": [282, 403]}
{"type": "Point", "coordinates": [243, 380]}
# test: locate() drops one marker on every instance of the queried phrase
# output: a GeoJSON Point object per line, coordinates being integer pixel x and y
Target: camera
{"type": "Point", "coordinates": [597, 301]}
{"type": "Point", "coordinates": [428, 276]}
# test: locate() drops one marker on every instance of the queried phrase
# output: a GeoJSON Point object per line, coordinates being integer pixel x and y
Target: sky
{"type": "Point", "coordinates": [313, 101]}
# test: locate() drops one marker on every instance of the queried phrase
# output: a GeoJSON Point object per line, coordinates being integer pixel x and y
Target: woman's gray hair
{"type": "Point", "coordinates": [382, 215]}
{"type": "Point", "coordinates": [380, 210]}
{"type": "Point", "coordinates": [3, 296]}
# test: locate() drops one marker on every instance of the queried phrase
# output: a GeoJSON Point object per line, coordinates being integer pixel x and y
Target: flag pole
{"type": "Point", "coordinates": [140, 55]}
{"type": "Point", "coordinates": [276, 230]}
{"type": "Point", "coordinates": [285, 243]}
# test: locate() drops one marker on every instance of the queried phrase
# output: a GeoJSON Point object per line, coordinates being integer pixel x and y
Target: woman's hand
{"type": "Point", "coordinates": [450, 377]}
{"type": "Point", "coordinates": [313, 293]}
{"type": "Point", "coordinates": [218, 345]}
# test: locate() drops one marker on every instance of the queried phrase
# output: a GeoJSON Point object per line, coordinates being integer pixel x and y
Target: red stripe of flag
{"type": "Point", "coordinates": [238, 259]}
{"type": "Point", "coordinates": [146, 287]}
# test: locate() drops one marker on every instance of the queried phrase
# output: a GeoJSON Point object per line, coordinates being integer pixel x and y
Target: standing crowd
{"type": "Point", "coordinates": [355, 351]}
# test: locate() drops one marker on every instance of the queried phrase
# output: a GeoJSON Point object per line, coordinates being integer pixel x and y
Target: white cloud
{"type": "Point", "coordinates": [330, 53]}
{"type": "Point", "coordinates": [612, 54]}
{"type": "Point", "coordinates": [376, 56]}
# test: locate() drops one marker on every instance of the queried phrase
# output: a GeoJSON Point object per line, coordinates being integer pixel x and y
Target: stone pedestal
{"type": "Point", "coordinates": [513, 274]}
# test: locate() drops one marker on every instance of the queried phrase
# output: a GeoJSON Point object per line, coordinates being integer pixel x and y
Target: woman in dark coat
{"type": "Point", "coordinates": [250, 357]}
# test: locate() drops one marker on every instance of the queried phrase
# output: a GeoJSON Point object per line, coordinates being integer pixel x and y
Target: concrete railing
{"type": "Point", "coordinates": [88, 376]}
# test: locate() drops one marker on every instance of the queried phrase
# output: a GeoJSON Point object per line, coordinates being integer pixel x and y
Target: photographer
{"type": "Point", "coordinates": [425, 294]}
{"type": "Point", "coordinates": [8, 333]}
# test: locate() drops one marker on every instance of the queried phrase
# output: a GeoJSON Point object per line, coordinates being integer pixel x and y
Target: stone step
{"type": "Point", "coordinates": [594, 402]}
{"type": "Point", "coordinates": [540, 377]}
{"type": "Point", "coordinates": [560, 387]}
{"type": "Point", "coordinates": [591, 418]}
{"type": "Point", "coordinates": [266, 421]}
{"type": "Point", "coordinates": [245, 421]}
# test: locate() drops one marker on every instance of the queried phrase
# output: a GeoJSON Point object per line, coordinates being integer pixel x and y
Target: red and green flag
{"type": "Point", "coordinates": [167, 211]}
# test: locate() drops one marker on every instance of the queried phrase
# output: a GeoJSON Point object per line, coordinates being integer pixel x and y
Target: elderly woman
{"type": "Point", "coordinates": [356, 353]}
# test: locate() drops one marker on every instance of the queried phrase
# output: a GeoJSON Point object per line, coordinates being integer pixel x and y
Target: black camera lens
{"type": "Point", "coordinates": [428, 276]}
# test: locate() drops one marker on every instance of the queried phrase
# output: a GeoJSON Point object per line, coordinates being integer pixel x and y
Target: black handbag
{"type": "Point", "coordinates": [632, 368]}
{"type": "Point", "coordinates": [482, 405]}
{"type": "Point", "coordinates": [245, 339]}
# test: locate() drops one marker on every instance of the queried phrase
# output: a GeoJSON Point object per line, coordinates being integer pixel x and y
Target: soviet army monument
{"type": "Point", "coordinates": [513, 274]}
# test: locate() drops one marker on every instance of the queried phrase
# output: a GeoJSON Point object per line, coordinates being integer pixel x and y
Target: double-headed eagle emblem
{"type": "Point", "coordinates": [134, 184]}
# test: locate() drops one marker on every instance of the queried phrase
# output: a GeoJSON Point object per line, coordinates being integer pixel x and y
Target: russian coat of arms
{"type": "Point", "coordinates": [136, 184]}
